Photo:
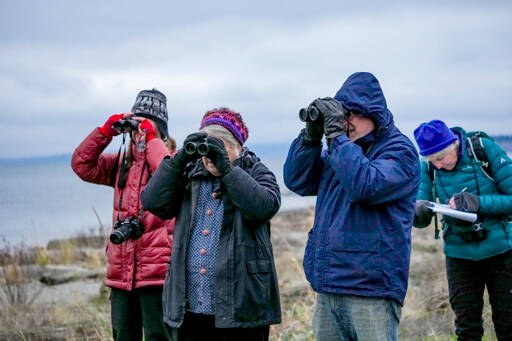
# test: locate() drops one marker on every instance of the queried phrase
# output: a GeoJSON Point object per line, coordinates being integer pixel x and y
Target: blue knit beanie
{"type": "Point", "coordinates": [433, 136]}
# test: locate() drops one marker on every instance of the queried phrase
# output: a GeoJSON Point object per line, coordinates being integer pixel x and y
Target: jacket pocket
{"type": "Point", "coordinates": [357, 242]}
{"type": "Point", "coordinates": [356, 261]}
{"type": "Point", "coordinates": [252, 294]}
{"type": "Point", "coordinates": [258, 266]}
{"type": "Point", "coordinates": [309, 256]}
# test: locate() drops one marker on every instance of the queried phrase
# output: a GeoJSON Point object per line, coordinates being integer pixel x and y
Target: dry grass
{"type": "Point", "coordinates": [289, 233]}
{"type": "Point", "coordinates": [22, 319]}
{"type": "Point", "coordinates": [79, 321]}
{"type": "Point", "coordinates": [16, 275]}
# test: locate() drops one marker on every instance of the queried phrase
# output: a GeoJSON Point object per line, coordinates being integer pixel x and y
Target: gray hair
{"type": "Point", "coordinates": [440, 154]}
{"type": "Point", "coordinates": [221, 132]}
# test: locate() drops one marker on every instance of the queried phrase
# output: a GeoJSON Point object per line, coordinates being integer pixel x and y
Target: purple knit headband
{"type": "Point", "coordinates": [228, 119]}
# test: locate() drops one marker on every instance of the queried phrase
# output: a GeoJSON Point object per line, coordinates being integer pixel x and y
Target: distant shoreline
{"type": "Point", "coordinates": [268, 150]}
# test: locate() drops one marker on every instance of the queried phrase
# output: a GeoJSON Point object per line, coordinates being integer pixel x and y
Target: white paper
{"type": "Point", "coordinates": [446, 210]}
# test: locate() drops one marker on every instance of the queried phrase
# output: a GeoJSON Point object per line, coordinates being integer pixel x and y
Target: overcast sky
{"type": "Point", "coordinates": [67, 65]}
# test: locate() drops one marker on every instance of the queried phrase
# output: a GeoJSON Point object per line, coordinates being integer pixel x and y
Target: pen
{"type": "Point", "coordinates": [465, 188]}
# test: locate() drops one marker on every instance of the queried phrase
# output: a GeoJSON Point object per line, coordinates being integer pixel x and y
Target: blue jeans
{"type": "Point", "coordinates": [355, 318]}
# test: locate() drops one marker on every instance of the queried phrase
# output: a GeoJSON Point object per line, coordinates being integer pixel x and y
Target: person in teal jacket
{"type": "Point", "coordinates": [478, 255]}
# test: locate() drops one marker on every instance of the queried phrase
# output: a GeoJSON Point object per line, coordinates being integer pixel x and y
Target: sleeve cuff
{"type": "Point", "coordinates": [337, 141]}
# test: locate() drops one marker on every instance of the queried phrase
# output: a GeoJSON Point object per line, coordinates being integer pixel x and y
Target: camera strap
{"type": "Point", "coordinates": [141, 208]}
{"type": "Point", "coordinates": [113, 175]}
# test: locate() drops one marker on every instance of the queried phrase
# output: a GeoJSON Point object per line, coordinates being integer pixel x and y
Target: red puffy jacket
{"type": "Point", "coordinates": [138, 262]}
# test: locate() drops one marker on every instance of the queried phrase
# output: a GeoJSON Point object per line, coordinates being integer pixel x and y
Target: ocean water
{"type": "Point", "coordinates": [44, 200]}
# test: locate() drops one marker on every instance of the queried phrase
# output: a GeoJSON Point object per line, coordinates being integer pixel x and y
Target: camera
{"type": "Point", "coordinates": [130, 228]}
{"type": "Point", "coordinates": [477, 235]}
{"type": "Point", "coordinates": [200, 148]}
{"type": "Point", "coordinates": [309, 114]}
{"type": "Point", "coordinates": [126, 126]}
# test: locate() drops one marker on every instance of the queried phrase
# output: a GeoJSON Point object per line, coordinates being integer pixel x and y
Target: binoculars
{"type": "Point", "coordinates": [126, 126]}
{"type": "Point", "coordinates": [200, 148]}
{"type": "Point", "coordinates": [309, 114]}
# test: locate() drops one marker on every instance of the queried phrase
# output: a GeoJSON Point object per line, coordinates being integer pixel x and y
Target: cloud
{"type": "Point", "coordinates": [69, 67]}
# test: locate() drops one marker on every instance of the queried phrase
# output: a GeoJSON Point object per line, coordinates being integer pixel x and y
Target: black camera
{"type": "Point", "coordinates": [130, 228]}
{"type": "Point", "coordinates": [309, 114]}
{"type": "Point", "coordinates": [126, 126]}
{"type": "Point", "coordinates": [200, 148]}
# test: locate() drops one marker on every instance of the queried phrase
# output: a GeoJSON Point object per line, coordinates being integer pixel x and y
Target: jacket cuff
{"type": "Point", "coordinates": [232, 175]}
{"type": "Point", "coordinates": [100, 134]}
{"type": "Point", "coordinates": [338, 141]}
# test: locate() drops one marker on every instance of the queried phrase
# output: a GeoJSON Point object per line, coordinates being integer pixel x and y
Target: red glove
{"type": "Point", "coordinates": [107, 129]}
{"type": "Point", "coordinates": [150, 130]}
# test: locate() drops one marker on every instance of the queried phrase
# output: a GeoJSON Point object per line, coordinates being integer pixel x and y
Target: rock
{"type": "Point", "coordinates": [59, 274]}
{"type": "Point", "coordinates": [96, 242]}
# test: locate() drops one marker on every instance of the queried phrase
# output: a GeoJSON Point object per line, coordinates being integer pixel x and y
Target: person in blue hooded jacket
{"type": "Point", "coordinates": [366, 182]}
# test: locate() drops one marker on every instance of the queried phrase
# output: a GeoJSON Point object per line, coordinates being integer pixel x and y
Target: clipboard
{"type": "Point", "coordinates": [446, 210]}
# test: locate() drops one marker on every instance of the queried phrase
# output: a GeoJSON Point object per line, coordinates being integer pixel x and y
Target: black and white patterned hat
{"type": "Point", "coordinates": [152, 104]}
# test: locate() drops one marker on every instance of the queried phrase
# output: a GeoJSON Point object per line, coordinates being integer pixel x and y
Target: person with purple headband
{"type": "Point", "coordinates": [222, 282]}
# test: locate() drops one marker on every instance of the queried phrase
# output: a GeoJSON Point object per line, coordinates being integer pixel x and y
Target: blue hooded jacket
{"type": "Point", "coordinates": [360, 243]}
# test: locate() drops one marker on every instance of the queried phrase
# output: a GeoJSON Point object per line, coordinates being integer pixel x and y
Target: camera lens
{"type": "Point", "coordinates": [122, 232]}
{"type": "Point", "coordinates": [117, 237]}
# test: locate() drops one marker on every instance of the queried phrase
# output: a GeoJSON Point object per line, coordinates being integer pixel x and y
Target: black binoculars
{"type": "Point", "coordinates": [200, 148]}
{"type": "Point", "coordinates": [126, 126]}
{"type": "Point", "coordinates": [309, 114]}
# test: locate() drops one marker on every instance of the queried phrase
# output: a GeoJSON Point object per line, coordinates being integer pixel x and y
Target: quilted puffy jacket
{"type": "Point", "coordinates": [138, 262]}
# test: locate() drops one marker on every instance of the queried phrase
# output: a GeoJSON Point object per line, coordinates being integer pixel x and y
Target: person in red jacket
{"type": "Point", "coordinates": [138, 252]}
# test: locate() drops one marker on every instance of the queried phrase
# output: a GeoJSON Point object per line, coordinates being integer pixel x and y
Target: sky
{"type": "Point", "coordinates": [66, 66]}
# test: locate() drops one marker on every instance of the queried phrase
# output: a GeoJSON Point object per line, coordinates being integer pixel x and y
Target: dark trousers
{"type": "Point", "coordinates": [467, 280]}
{"type": "Point", "coordinates": [202, 327]}
{"type": "Point", "coordinates": [138, 310]}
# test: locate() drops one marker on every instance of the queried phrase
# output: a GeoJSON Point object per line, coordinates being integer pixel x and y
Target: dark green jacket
{"type": "Point", "coordinates": [495, 200]}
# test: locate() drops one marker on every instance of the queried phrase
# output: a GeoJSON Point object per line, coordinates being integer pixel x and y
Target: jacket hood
{"type": "Point", "coordinates": [461, 136]}
{"type": "Point", "coordinates": [247, 159]}
{"type": "Point", "coordinates": [361, 93]}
